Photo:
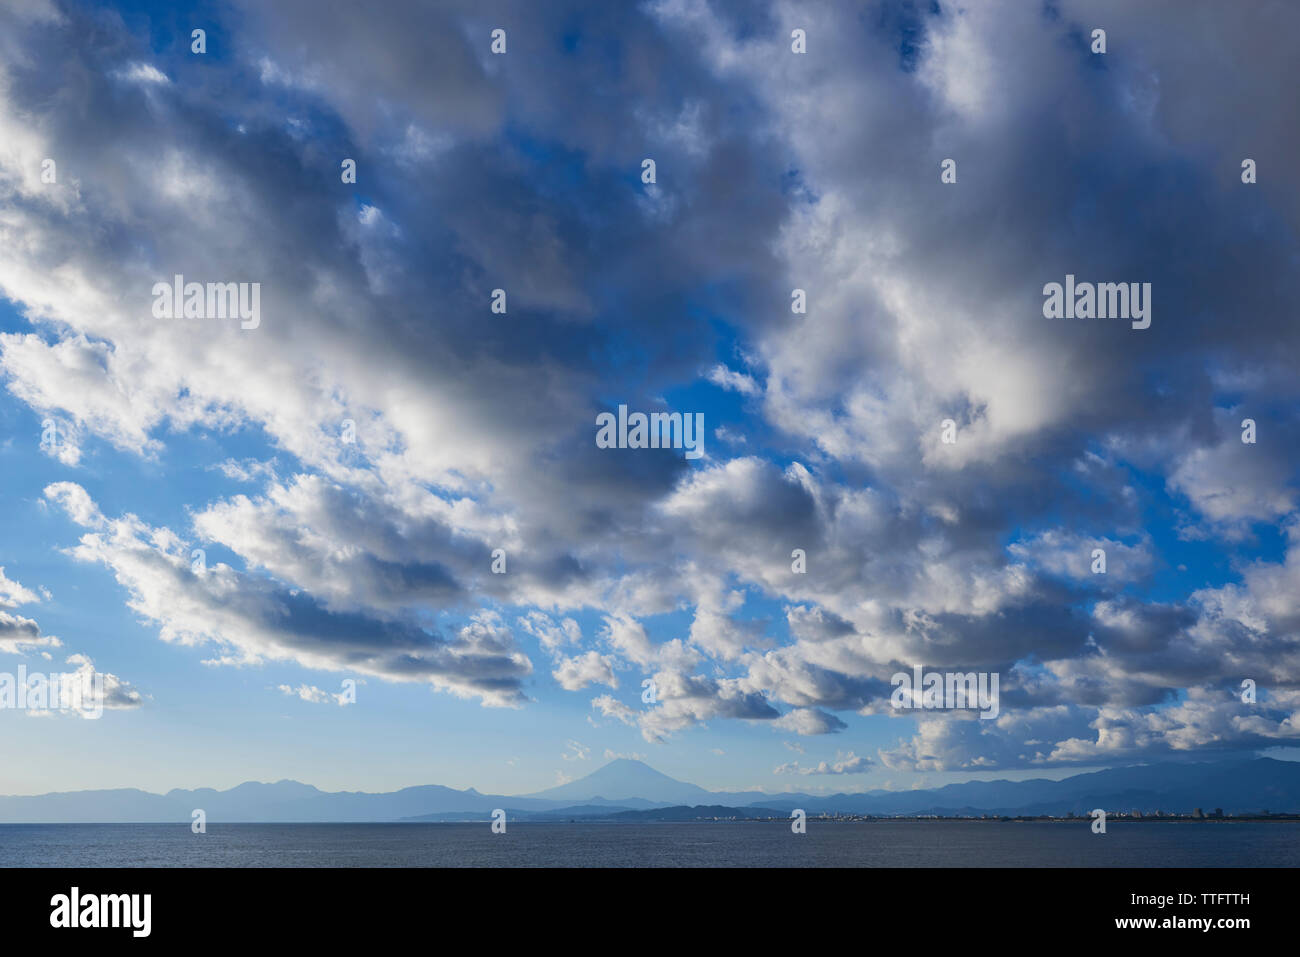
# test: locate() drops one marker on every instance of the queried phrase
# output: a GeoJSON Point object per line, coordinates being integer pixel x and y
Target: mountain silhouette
{"type": "Point", "coordinates": [1240, 786]}
{"type": "Point", "coordinates": [624, 779]}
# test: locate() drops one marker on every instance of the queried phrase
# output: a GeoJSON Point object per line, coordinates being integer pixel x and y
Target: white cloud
{"type": "Point", "coordinates": [314, 695]}
{"type": "Point", "coordinates": [809, 721]}
{"type": "Point", "coordinates": [844, 763]}
{"type": "Point", "coordinates": [575, 751]}
{"type": "Point", "coordinates": [574, 674]}
{"type": "Point", "coordinates": [13, 594]}
{"type": "Point", "coordinates": [145, 73]}
{"type": "Point", "coordinates": [251, 619]}
{"type": "Point", "coordinates": [733, 381]}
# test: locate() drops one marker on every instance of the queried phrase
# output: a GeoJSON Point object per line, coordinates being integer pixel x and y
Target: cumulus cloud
{"type": "Point", "coordinates": [844, 763]}
{"type": "Point", "coordinates": [21, 636]}
{"type": "Point", "coordinates": [611, 707]}
{"type": "Point", "coordinates": [684, 700]}
{"type": "Point", "coordinates": [734, 381]}
{"type": "Point", "coordinates": [405, 435]}
{"type": "Point", "coordinates": [574, 674]}
{"type": "Point", "coordinates": [809, 721]}
{"type": "Point", "coordinates": [314, 695]}
{"type": "Point", "coordinates": [117, 695]}
{"type": "Point", "coordinates": [13, 594]}
{"type": "Point", "coordinates": [249, 618]}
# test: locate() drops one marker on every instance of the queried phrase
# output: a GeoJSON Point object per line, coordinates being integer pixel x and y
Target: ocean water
{"type": "Point", "coordinates": [731, 844]}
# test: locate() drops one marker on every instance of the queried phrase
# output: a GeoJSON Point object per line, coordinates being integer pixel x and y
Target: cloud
{"type": "Point", "coordinates": [118, 695]}
{"type": "Point", "coordinates": [314, 695]}
{"type": "Point", "coordinates": [611, 707]}
{"type": "Point", "coordinates": [550, 635]}
{"type": "Point", "coordinates": [575, 751]}
{"type": "Point", "coordinates": [844, 763]}
{"type": "Point", "coordinates": [13, 594]}
{"type": "Point", "coordinates": [684, 700]}
{"type": "Point", "coordinates": [250, 619]}
{"type": "Point", "coordinates": [574, 674]}
{"type": "Point", "coordinates": [390, 433]}
{"type": "Point", "coordinates": [144, 73]}
{"type": "Point", "coordinates": [76, 502]}
{"type": "Point", "coordinates": [1069, 554]}
{"type": "Point", "coordinates": [809, 721]}
{"type": "Point", "coordinates": [631, 755]}
{"type": "Point", "coordinates": [22, 636]}
{"type": "Point", "coordinates": [726, 378]}
{"type": "Point", "coordinates": [1235, 484]}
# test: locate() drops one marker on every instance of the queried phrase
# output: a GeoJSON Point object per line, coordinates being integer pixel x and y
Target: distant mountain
{"type": "Point", "coordinates": [622, 786]}
{"type": "Point", "coordinates": [1237, 786]}
{"type": "Point", "coordinates": [624, 779]}
{"type": "Point", "coordinates": [281, 802]}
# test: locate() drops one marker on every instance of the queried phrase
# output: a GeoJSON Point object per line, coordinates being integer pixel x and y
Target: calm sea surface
{"type": "Point", "coordinates": [877, 844]}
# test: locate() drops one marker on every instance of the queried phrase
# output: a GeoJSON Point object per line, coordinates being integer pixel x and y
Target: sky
{"type": "Point", "coordinates": [371, 538]}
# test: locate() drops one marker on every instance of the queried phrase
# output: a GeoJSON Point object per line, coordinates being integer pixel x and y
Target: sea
{"type": "Point", "coordinates": [668, 844]}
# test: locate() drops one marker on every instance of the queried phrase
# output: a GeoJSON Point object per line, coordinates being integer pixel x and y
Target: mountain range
{"type": "Point", "coordinates": [1236, 786]}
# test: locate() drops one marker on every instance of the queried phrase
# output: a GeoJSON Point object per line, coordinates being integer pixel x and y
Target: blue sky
{"type": "Point", "coordinates": [371, 560]}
